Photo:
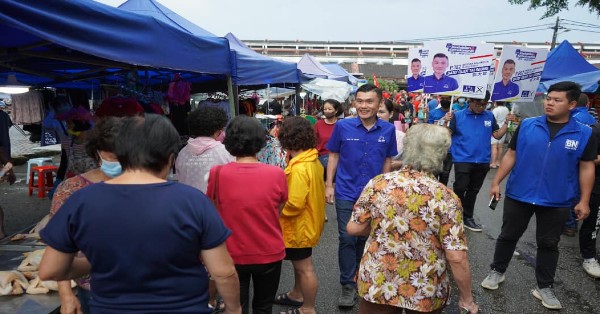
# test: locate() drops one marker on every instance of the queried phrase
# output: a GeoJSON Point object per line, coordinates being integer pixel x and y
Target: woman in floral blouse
{"type": "Point", "coordinates": [414, 224]}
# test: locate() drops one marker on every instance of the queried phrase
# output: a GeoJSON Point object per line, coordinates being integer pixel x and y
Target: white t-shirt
{"type": "Point", "coordinates": [500, 114]}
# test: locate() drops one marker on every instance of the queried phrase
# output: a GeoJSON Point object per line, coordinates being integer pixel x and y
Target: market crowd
{"type": "Point", "coordinates": [249, 196]}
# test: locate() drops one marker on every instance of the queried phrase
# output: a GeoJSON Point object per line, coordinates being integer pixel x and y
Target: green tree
{"type": "Point", "coordinates": [555, 6]}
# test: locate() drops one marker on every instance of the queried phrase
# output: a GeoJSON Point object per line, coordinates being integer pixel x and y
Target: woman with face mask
{"type": "Point", "coordinates": [324, 127]}
{"type": "Point", "coordinates": [100, 147]}
{"type": "Point", "coordinates": [460, 104]}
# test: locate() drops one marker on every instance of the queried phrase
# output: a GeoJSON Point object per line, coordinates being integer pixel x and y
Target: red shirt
{"type": "Point", "coordinates": [119, 107]}
{"type": "Point", "coordinates": [323, 132]}
{"type": "Point", "coordinates": [249, 198]}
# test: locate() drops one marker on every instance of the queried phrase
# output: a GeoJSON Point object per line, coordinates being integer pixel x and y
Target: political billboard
{"type": "Point", "coordinates": [418, 61]}
{"type": "Point", "coordinates": [519, 73]}
{"type": "Point", "coordinates": [459, 69]}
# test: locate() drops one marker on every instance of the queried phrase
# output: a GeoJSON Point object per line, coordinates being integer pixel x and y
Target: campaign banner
{"type": "Point", "coordinates": [519, 73]}
{"type": "Point", "coordinates": [458, 69]}
{"type": "Point", "coordinates": [418, 60]}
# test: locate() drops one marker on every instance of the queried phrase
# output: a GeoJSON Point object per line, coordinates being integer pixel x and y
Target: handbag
{"type": "Point", "coordinates": [214, 197]}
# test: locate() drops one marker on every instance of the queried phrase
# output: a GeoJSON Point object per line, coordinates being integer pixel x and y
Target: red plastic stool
{"type": "Point", "coordinates": [45, 179]}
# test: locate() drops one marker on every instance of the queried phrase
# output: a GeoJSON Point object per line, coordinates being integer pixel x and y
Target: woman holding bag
{"type": "Point", "coordinates": [249, 196]}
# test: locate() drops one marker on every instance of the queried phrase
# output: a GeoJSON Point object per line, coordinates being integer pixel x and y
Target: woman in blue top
{"type": "Point", "coordinates": [144, 237]}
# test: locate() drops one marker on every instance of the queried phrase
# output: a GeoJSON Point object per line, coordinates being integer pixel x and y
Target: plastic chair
{"type": "Point", "coordinates": [38, 162]}
{"type": "Point", "coordinates": [45, 179]}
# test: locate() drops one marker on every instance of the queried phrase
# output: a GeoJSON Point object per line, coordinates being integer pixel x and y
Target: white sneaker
{"type": "Point", "coordinates": [592, 268]}
{"type": "Point", "coordinates": [547, 297]}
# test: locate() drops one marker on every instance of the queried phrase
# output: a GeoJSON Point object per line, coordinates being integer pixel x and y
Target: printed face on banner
{"type": "Point", "coordinates": [520, 73]}
{"type": "Point", "coordinates": [458, 69]}
{"type": "Point", "coordinates": [418, 60]}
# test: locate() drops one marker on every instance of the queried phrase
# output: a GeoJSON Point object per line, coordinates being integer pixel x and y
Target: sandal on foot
{"type": "Point", "coordinates": [294, 310]}
{"type": "Point", "coordinates": [284, 299]}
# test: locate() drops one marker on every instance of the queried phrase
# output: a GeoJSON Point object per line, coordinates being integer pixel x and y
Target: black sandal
{"type": "Point", "coordinates": [284, 299]}
{"type": "Point", "coordinates": [219, 306]}
{"type": "Point", "coordinates": [293, 310]}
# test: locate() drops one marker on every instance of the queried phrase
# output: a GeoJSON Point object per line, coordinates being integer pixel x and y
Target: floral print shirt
{"type": "Point", "coordinates": [413, 218]}
{"type": "Point", "coordinates": [272, 153]}
{"type": "Point", "coordinates": [62, 194]}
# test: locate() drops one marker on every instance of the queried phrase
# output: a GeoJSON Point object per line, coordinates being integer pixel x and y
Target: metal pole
{"type": "Point", "coordinates": [555, 33]}
{"type": "Point", "coordinates": [233, 111]}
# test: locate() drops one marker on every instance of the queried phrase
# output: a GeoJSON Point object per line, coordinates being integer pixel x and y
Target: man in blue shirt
{"type": "Point", "coordinates": [581, 115]}
{"type": "Point", "coordinates": [438, 116]}
{"type": "Point", "coordinates": [471, 151]}
{"type": "Point", "coordinates": [505, 88]}
{"type": "Point", "coordinates": [359, 149]}
{"type": "Point", "coordinates": [415, 82]}
{"type": "Point", "coordinates": [439, 82]}
{"type": "Point", "coordinates": [551, 161]}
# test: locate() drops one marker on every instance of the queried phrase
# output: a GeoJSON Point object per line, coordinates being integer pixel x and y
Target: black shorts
{"type": "Point", "coordinates": [297, 254]}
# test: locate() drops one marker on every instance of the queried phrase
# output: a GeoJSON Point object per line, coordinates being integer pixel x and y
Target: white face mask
{"type": "Point", "coordinates": [461, 100]}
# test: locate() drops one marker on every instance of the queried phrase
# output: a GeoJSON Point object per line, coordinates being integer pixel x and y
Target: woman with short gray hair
{"type": "Point", "coordinates": [415, 228]}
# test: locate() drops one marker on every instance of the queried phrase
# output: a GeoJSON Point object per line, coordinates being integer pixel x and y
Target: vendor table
{"type": "Point", "coordinates": [11, 255]}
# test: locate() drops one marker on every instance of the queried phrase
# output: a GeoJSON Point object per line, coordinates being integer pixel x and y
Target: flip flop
{"type": "Point", "coordinates": [219, 306]}
{"type": "Point", "coordinates": [284, 299]}
{"type": "Point", "coordinates": [293, 310]}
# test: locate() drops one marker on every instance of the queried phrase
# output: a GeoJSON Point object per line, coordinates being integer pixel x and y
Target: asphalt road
{"type": "Point", "coordinates": [577, 292]}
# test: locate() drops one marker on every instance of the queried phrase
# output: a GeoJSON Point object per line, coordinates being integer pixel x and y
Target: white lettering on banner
{"type": "Point", "coordinates": [381, 139]}
{"type": "Point", "coordinates": [571, 144]}
{"type": "Point", "coordinates": [487, 123]}
{"type": "Point", "coordinates": [352, 139]}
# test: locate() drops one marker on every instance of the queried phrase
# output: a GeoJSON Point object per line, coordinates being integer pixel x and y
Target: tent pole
{"type": "Point", "coordinates": [232, 93]}
{"type": "Point", "coordinates": [297, 103]}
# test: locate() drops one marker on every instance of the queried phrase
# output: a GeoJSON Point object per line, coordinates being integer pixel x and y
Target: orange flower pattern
{"type": "Point", "coordinates": [413, 218]}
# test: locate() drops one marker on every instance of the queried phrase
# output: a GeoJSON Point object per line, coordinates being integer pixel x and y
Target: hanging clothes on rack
{"type": "Point", "coordinates": [178, 97]}
{"type": "Point", "coordinates": [119, 107]}
{"type": "Point", "coordinates": [28, 108]}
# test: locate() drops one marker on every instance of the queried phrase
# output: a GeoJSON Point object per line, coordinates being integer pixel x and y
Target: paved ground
{"type": "Point", "coordinates": [577, 291]}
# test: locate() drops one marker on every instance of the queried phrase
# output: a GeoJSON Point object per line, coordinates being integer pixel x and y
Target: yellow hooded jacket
{"type": "Point", "coordinates": [303, 215]}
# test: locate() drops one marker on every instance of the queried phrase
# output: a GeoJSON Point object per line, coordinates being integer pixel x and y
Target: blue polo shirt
{"type": "Point", "coordinates": [502, 91]}
{"type": "Point", "coordinates": [471, 135]}
{"type": "Point", "coordinates": [435, 115]}
{"type": "Point", "coordinates": [362, 153]}
{"type": "Point", "coordinates": [414, 84]}
{"type": "Point", "coordinates": [445, 84]}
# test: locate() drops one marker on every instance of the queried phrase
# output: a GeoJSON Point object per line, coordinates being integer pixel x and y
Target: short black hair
{"type": "Point", "coordinates": [146, 143]}
{"type": "Point", "coordinates": [296, 133]}
{"type": "Point", "coordinates": [440, 55]}
{"type": "Point", "coordinates": [336, 105]}
{"type": "Point", "coordinates": [509, 61]}
{"type": "Point", "coordinates": [415, 60]}
{"type": "Point", "coordinates": [583, 100]}
{"type": "Point", "coordinates": [389, 105]}
{"type": "Point", "coordinates": [245, 136]}
{"type": "Point", "coordinates": [485, 99]}
{"type": "Point", "coordinates": [445, 103]}
{"type": "Point", "coordinates": [207, 120]}
{"type": "Point", "coordinates": [370, 88]}
{"type": "Point", "coordinates": [572, 89]}
{"type": "Point", "coordinates": [102, 136]}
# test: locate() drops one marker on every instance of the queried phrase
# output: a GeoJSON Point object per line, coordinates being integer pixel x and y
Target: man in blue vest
{"type": "Point", "coordinates": [471, 152]}
{"type": "Point", "coordinates": [581, 115]}
{"type": "Point", "coordinates": [551, 161]}
{"type": "Point", "coordinates": [439, 82]}
{"type": "Point", "coordinates": [359, 149]}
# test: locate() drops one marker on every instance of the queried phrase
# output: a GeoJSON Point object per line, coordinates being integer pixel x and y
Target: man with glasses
{"type": "Point", "coordinates": [471, 152]}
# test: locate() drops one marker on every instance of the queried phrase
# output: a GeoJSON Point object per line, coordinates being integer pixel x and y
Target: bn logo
{"type": "Point", "coordinates": [571, 144]}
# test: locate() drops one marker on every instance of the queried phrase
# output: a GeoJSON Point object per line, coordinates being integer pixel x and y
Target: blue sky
{"type": "Point", "coordinates": [377, 20]}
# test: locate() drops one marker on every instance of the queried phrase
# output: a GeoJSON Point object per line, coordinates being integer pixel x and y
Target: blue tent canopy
{"type": "Point", "coordinates": [50, 43]}
{"type": "Point", "coordinates": [253, 68]}
{"type": "Point", "coordinates": [310, 69]}
{"type": "Point", "coordinates": [248, 66]}
{"type": "Point", "coordinates": [588, 81]}
{"type": "Point", "coordinates": [338, 70]}
{"type": "Point", "coordinates": [563, 61]}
